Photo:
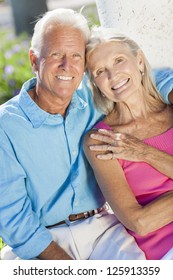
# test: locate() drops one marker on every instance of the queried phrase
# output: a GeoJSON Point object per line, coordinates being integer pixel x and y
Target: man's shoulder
{"type": "Point", "coordinates": [9, 108]}
{"type": "Point", "coordinates": [13, 104]}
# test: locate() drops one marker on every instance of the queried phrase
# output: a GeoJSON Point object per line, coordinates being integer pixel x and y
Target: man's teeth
{"type": "Point", "coordinates": [64, 78]}
{"type": "Point", "coordinates": [120, 84]}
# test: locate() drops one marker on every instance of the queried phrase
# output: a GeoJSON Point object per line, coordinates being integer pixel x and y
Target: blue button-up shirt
{"type": "Point", "coordinates": [164, 82]}
{"type": "Point", "coordinates": [44, 177]}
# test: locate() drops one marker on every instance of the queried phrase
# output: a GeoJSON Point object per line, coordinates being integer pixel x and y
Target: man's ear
{"type": "Point", "coordinates": [33, 60]}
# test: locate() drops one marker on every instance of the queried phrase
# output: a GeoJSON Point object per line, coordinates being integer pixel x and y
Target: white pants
{"type": "Point", "coordinates": [100, 237]}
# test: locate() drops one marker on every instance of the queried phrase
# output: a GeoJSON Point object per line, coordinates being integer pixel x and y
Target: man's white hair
{"type": "Point", "coordinates": [63, 17]}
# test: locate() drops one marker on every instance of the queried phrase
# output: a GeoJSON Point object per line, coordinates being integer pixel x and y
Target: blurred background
{"type": "Point", "coordinates": [17, 19]}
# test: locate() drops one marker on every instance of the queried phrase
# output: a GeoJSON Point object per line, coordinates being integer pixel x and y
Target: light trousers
{"type": "Point", "coordinates": [100, 237]}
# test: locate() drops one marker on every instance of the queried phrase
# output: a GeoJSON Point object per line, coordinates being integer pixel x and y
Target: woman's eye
{"type": "Point", "coordinates": [99, 72]}
{"type": "Point", "coordinates": [119, 60]}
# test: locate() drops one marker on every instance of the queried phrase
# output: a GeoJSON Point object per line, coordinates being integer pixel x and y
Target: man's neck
{"type": "Point", "coordinates": [51, 105]}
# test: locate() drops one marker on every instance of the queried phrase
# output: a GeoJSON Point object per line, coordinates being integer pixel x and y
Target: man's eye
{"type": "Point", "coordinates": [76, 56]}
{"type": "Point", "coordinates": [56, 54]}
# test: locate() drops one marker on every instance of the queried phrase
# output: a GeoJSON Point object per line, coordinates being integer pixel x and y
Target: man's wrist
{"type": "Point", "coordinates": [54, 252]}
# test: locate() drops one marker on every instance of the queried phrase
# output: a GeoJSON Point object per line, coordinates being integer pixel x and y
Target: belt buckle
{"type": "Point", "coordinates": [69, 222]}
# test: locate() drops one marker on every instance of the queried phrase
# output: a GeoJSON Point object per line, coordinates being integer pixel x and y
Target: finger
{"type": "Point", "coordinates": [116, 150]}
{"type": "Point", "coordinates": [114, 135]}
{"type": "Point", "coordinates": [105, 131]}
{"type": "Point", "coordinates": [99, 148]}
{"type": "Point", "coordinates": [115, 143]}
{"type": "Point", "coordinates": [105, 156]}
{"type": "Point", "coordinates": [118, 136]}
{"type": "Point", "coordinates": [102, 138]}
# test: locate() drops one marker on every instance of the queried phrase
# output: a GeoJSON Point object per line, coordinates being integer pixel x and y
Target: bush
{"type": "Point", "coordinates": [1, 244]}
{"type": "Point", "coordinates": [15, 66]}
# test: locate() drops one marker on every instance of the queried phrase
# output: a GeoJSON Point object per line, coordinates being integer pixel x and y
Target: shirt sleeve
{"type": "Point", "coordinates": [164, 82]}
{"type": "Point", "coordinates": [19, 224]}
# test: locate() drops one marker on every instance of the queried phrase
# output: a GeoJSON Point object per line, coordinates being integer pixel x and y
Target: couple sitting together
{"type": "Point", "coordinates": [68, 147]}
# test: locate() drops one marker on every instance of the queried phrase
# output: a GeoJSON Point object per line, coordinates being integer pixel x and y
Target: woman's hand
{"type": "Point", "coordinates": [127, 147]}
{"type": "Point", "coordinates": [120, 145]}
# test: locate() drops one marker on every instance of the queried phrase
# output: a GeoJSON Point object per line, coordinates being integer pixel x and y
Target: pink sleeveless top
{"type": "Point", "coordinates": [147, 184]}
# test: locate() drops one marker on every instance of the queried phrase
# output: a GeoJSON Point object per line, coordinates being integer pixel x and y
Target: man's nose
{"type": "Point", "coordinates": [65, 62]}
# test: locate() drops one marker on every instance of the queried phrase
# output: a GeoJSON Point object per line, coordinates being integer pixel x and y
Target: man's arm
{"type": "Point", "coordinates": [164, 83]}
{"type": "Point", "coordinates": [170, 96]}
{"type": "Point", "coordinates": [17, 215]}
{"type": "Point", "coordinates": [54, 252]}
{"type": "Point", "coordinates": [19, 224]}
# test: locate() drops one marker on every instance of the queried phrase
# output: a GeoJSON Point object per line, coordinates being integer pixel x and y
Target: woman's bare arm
{"type": "Point", "coordinates": [114, 186]}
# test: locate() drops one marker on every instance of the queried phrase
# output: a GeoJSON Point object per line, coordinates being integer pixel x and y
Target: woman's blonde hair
{"type": "Point", "coordinates": [101, 35]}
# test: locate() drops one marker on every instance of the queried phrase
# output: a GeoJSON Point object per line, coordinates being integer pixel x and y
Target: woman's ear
{"type": "Point", "coordinates": [33, 60]}
{"type": "Point", "coordinates": [140, 61]}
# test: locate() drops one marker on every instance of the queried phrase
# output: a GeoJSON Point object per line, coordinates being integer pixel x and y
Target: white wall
{"type": "Point", "coordinates": [148, 22]}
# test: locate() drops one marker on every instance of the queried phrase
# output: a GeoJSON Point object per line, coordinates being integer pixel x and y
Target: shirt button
{"type": "Point", "coordinates": [73, 153]}
{"type": "Point", "coordinates": [73, 177]}
{"type": "Point", "coordinates": [76, 203]}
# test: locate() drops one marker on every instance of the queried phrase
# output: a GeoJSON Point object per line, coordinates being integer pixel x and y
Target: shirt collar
{"type": "Point", "coordinates": [35, 114]}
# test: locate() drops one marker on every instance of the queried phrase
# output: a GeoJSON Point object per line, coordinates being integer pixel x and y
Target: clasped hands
{"type": "Point", "coordinates": [118, 146]}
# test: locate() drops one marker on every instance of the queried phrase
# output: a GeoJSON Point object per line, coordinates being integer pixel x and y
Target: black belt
{"type": "Point", "coordinates": [76, 217]}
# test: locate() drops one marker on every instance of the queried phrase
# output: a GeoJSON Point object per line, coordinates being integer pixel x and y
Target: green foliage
{"type": "Point", "coordinates": [15, 66]}
{"type": "Point", "coordinates": [90, 12]}
{"type": "Point", "coordinates": [1, 244]}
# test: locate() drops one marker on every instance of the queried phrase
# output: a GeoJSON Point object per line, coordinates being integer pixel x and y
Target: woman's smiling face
{"type": "Point", "coordinates": [116, 70]}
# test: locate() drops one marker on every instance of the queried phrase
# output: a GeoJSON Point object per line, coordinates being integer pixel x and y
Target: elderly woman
{"type": "Point", "coordinates": [138, 181]}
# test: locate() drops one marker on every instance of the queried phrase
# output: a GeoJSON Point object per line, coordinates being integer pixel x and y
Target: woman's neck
{"type": "Point", "coordinates": [141, 108]}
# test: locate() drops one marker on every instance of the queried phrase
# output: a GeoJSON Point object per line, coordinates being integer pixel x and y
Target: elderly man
{"type": "Point", "coordinates": [51, 207]}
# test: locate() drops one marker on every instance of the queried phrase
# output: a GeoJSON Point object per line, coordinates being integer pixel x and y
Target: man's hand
{"type": "Point", "coordinates": [54, 252]}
